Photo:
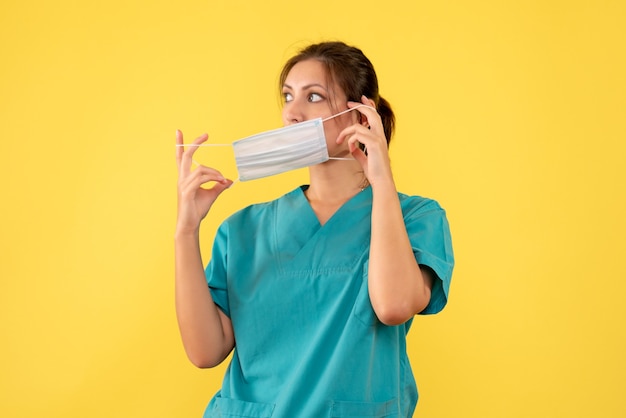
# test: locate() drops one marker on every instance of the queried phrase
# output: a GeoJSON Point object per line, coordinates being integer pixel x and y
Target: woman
{"type": "Point", "coordinates": [319, 287]}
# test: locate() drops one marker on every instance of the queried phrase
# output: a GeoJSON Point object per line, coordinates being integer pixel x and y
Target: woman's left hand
{"type": "Point", "coordinates": [376, 165]}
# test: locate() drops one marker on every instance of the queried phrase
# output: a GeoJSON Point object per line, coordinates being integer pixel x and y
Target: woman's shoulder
{"type": "Point", "coordinates": [416, 202]}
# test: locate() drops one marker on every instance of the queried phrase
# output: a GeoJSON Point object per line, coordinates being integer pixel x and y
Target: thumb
{"type": "Point", "coordinates": [360, 156]}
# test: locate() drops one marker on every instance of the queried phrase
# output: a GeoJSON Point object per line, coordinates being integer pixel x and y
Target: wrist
{"type": "Point", "coordinates": [186, 232]}
{"type": "Point", "coordinates": [383, 185]}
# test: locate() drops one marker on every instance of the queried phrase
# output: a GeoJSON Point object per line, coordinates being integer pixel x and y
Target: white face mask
{"type": "Point", "coordinates": [273, 152]}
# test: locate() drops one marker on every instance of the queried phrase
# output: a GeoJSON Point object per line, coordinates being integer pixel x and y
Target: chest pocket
{"type": "Point", "coordinates": [232, 408]}
{"type": "Point", "coordinates": [363, 310]}
{"type": "Point", "coordinates": [340, 409]}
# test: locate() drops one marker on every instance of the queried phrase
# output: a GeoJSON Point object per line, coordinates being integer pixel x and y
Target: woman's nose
{"type": "Point", "coordinates": [292, 113]}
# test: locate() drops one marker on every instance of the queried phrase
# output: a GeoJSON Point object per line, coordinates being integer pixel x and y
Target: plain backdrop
{"type": "Point", "coordinates": [510, 113]}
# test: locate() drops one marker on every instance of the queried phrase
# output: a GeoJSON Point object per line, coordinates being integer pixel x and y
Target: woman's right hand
{"type": "Point", "coordinates": [194, 201]}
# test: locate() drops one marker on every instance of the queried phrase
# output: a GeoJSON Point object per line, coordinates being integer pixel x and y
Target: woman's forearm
{"type": "Point", "coordinates": [205, 330]}
{"type": "Point", "coordinates": [398, 289]}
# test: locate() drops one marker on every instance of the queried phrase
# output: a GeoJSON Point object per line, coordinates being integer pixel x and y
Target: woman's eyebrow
{"type": "Point", "coordinates": [308, 86]}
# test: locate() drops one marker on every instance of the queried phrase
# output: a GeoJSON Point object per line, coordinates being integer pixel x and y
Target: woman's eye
{"type": "Point", "coordinates": [287, 97]}
{"type": "Point", "coordinates": [314, 97]}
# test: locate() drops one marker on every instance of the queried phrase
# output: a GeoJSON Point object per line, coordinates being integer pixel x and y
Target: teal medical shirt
{"type": "Point", "coordinates": [308, 343]}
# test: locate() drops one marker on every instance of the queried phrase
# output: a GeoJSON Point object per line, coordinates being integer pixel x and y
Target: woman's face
{"type": "Point", "coordinates": [308, 95]}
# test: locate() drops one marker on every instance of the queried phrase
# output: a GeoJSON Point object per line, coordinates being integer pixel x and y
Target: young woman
{"type": "Point", "coordinates": [315, 291]}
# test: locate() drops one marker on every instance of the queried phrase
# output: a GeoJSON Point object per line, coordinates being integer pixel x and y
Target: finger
{"type": "Point", "coordinates": [205, 178]}
{"type": "Point", "coordinates": [351, 131]}
{"type": "Point", "coordinates": [369, 111]}
{"type": "Point", "coordinates": [373, 144]}
{"type": "Point", "coordinates": [367, 101]}
{"type": "Point", "coordinates": [199, 179]}
{"type": "Point", "coordinates": [187, 155]}
{"type": "Point", "coordinates": [179, 147]}
{"type": "Point", "coordinates": [202, 175]}
{"type": "Point", "coordinates": [216, 174]}
{"type": "Point", "coordinates": [199, 140]}
{"type": "Point", "coordinates": [220, 187]}
{"type": "Point", "coordinates": [355, 141]}
{"type": "Point", "coordinates": [360, 156]}
{"type": "Point", "coordinates": [191, 186]}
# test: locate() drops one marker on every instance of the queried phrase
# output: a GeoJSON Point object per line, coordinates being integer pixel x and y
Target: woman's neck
{"type": "Point", "coordinates": [332, 185]}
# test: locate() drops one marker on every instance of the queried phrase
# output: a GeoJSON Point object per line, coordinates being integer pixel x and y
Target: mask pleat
{"type": "Point", "coordinates": [280, 150]}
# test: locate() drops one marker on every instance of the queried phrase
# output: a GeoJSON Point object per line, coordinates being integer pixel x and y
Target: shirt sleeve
{"type": "Point", "coordinates": [216, 269]}
{"type": "Point", "coordinates": [429, 233]}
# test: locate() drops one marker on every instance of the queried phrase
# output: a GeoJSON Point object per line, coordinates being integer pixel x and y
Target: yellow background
{"type": "Point", "coordinates": [510, 113]}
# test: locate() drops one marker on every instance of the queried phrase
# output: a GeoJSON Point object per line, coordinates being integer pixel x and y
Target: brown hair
{"type": "Point", "coordinates": [351, 70]}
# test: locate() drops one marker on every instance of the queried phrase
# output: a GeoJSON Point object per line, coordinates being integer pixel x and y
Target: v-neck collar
{"type": "Point", "coordinates": [363, 195]}
{"type": "Point", "coordinates": [302, 244]}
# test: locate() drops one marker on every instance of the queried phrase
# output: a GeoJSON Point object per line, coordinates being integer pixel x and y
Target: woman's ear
{"type": "Point", "coordinates": [363, 120]}
{"type": "Point", "coordinates": [368, 102]}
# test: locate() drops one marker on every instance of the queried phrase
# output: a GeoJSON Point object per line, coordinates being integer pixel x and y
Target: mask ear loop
{"type": "Point", "coordinates": [346, 111]}
{"type": "Point", "coordinates": [339, 114]}
{"type": "Point", "coordinates": [237, 180]}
